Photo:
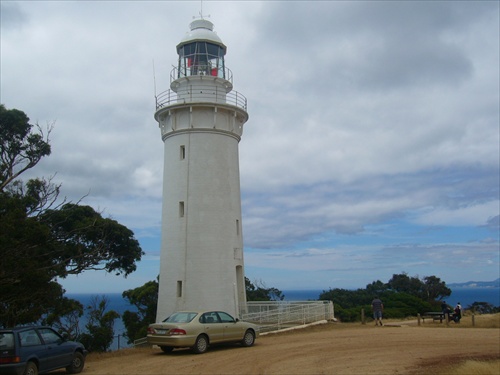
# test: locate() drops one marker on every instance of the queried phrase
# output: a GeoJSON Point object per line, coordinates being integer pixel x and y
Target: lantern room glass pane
{"type": "Point", "coordinates": [201, 58]}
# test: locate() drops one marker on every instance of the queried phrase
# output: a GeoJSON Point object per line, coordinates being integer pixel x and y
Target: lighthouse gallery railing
{"type": "Point", "coordinates": [202, 93]}
{"type": "Point", "coordinates": [207, 94]}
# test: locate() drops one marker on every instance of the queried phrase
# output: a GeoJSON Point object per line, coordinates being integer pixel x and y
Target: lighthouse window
{"type": "Point", "coordinates": [181, 209]}
{"type": "Point", "coordinates": [201, 58]}
{"type": "Point", "coordinates": [183, 152]}
{"type": "Point", "coordinates": [237, 227]}
{"type": "Point", "coordinates": [179, 288]}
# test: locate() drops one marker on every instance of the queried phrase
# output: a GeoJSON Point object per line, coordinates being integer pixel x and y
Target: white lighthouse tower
{"type": "Point", "coordinates": [201, 121]}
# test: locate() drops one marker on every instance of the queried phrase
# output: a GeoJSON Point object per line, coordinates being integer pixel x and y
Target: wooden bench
{"type": "Point", "coordinates": [434, 315]}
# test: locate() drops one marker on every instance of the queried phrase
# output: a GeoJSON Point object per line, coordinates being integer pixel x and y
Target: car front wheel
{"type": "Point", "coordinates": [77, 364]}
{"type": "Point", "coordinates": [31, 369]}
{"type": "Point", "coordinates": [249, 338]}
{"type": "Point", "coordinates": [201, 344]}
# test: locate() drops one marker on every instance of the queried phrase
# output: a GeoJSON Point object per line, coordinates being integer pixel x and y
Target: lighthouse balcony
{"type": "Point", "coordinates": [200, 94]}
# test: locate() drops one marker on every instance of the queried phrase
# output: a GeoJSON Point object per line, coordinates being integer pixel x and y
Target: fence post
{"type": "Point", "coordinates": [418, 319]}
{"type": "Point", "coordinates": [473, 320]}
{"type": "Point", "coordinates": [363, 316]}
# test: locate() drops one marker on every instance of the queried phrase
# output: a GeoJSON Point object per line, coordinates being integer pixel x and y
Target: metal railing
{"type": "Point", "coordinates": [276, 315]}
{"type": "Point", "coordinates": [141, 342]}
{"type": "Point", "coordinates": [201, 70]}
{"type": "Point", "coordinates": [200, 93]}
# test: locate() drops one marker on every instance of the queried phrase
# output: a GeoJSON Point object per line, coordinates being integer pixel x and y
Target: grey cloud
{"type": "Point", "coordinates": [12, 16]}
{"type": "Point", "coordinates": [372, 45]}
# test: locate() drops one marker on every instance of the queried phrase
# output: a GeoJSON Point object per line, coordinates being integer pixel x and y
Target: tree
{"type": "Point", "coordinates": [435, 289]}
{"type": "Point", "coordinates": [145, 299]}
{"type": "Point", "coordinates": [100, 325]}
{"type": "Point", "coordinates": [20, 147]}
{"type": "Point", "coordinates": [261, 293]}
{"type": "Point", "coordinates": [483, 308]}
{"type": "Point", "coordinates": [37, 251]}
{"type": "Point", "coordinates": [65, 316]}
{"type": "Point", "coordinates": [431, 288]}
{"type": "Point", "coordinates": [404, 283]}
{"type": "Point", "coordinates": [43, 238]}
{"type": "Point", "coordinates": [84, 240]}
{"type": "Point", "coordinates": [28, 300]}
{"type": "Point", "coordinates": [376, 287]}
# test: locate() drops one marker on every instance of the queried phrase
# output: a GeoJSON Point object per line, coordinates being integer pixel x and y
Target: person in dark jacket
{"type": "Point", "coordinates": [378, 308]}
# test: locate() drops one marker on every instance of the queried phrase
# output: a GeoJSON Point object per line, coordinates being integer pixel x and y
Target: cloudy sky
{"type": "Point", "coordinates": [372, 146]}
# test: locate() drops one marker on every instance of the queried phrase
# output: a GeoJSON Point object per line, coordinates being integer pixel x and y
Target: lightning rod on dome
{"type": "Point", "coordinates": [201, 11]}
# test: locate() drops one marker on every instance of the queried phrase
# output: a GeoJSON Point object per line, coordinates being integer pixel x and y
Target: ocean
{"type": "Point", "coordinates": [466, 296]}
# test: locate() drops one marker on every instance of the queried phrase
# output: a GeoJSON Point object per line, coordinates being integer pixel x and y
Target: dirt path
{"type": "Point", "coordinates": [326, 349]}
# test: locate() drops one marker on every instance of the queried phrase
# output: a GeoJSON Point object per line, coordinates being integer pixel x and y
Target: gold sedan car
{"type": "Point", "coordinates": [198, 330]}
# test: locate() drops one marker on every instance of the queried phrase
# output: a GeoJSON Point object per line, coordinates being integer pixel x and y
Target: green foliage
{"type": "Point", "coordinates": [261, 293]}
{"type": "Point", "coordinates": [86, 240]}
{"type": "Point", "coordinates": [402, 296]}
{"type": "Point", "coordinates": [100, 325]}
{"type": "Point", "coordinates": [402, 305]}
{"type": "Point", "coordinates": [347, 315]}
{"type": "Point", "coordinates": [37, 250]}
{"type": "Point", "coordinates": [26, 301]}
{"type": "Point", "coordinates": [20, 147]}
{"type": "Point", "coordinates": [483, 308]}
{"type": "Point", "coordinates": [145, 299]}
{"type": "Point", "coordinates": [431, 288]}
{"type": "Point", "coordinates": [26, 275]}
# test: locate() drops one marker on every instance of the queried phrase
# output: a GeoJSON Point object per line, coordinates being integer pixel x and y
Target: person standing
{"type": "Point", "coordinates": [458, 313]}
{"type": "Point", "coordinates": [445, 309]}
{"type": "Point", "coordinates": [378, 308]}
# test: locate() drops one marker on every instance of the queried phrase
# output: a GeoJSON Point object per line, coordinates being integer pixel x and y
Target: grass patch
{"type": "Point", "coordinates": [473, 367]}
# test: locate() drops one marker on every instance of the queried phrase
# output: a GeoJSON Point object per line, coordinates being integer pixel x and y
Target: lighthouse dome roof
{"type": "Point", "coordinates": [201, 30]}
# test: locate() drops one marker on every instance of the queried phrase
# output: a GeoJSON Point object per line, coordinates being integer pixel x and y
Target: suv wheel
{"type": "Point", "coordinates": [31, 369]}
{"type": "Point", "coordinates": [76, 364]}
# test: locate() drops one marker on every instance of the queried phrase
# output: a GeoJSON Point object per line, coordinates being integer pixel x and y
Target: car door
{"type": "Point", "coordinates": [60, 355]}
{"type": "Point", "coordinates": [232, 330]}
{"type": "Point", "coordinates": [31, 347]}
{"type": "Point", "coordinates": [213, 327]}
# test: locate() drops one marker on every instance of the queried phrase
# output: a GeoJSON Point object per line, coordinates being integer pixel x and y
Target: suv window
{"type": "Point", "coordinates": [29, 338]}
{"type": "Point", "coordinates": [6, 341]}
{"type": "Point", "coordinates": [49, 336]}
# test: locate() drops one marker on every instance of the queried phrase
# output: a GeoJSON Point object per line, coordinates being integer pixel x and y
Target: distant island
{"type": "Point", "coordinates": [476, 284]}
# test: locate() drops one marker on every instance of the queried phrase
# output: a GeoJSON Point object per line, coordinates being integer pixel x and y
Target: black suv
{"type": "Point", "coordinates": [35, 349]}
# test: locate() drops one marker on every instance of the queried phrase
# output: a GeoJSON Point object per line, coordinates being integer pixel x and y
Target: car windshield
{"type": "Point", "coordinates": [180, 317]}
{"type": "Point", "coordinates": [6, 341]}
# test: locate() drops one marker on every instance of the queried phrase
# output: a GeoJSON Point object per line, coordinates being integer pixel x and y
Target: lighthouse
{"type": "Point", "coordinates": [201, 121]}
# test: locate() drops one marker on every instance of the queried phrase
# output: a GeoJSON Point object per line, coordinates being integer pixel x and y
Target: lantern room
{"type": "Point", "coordinates": [201, 52]}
